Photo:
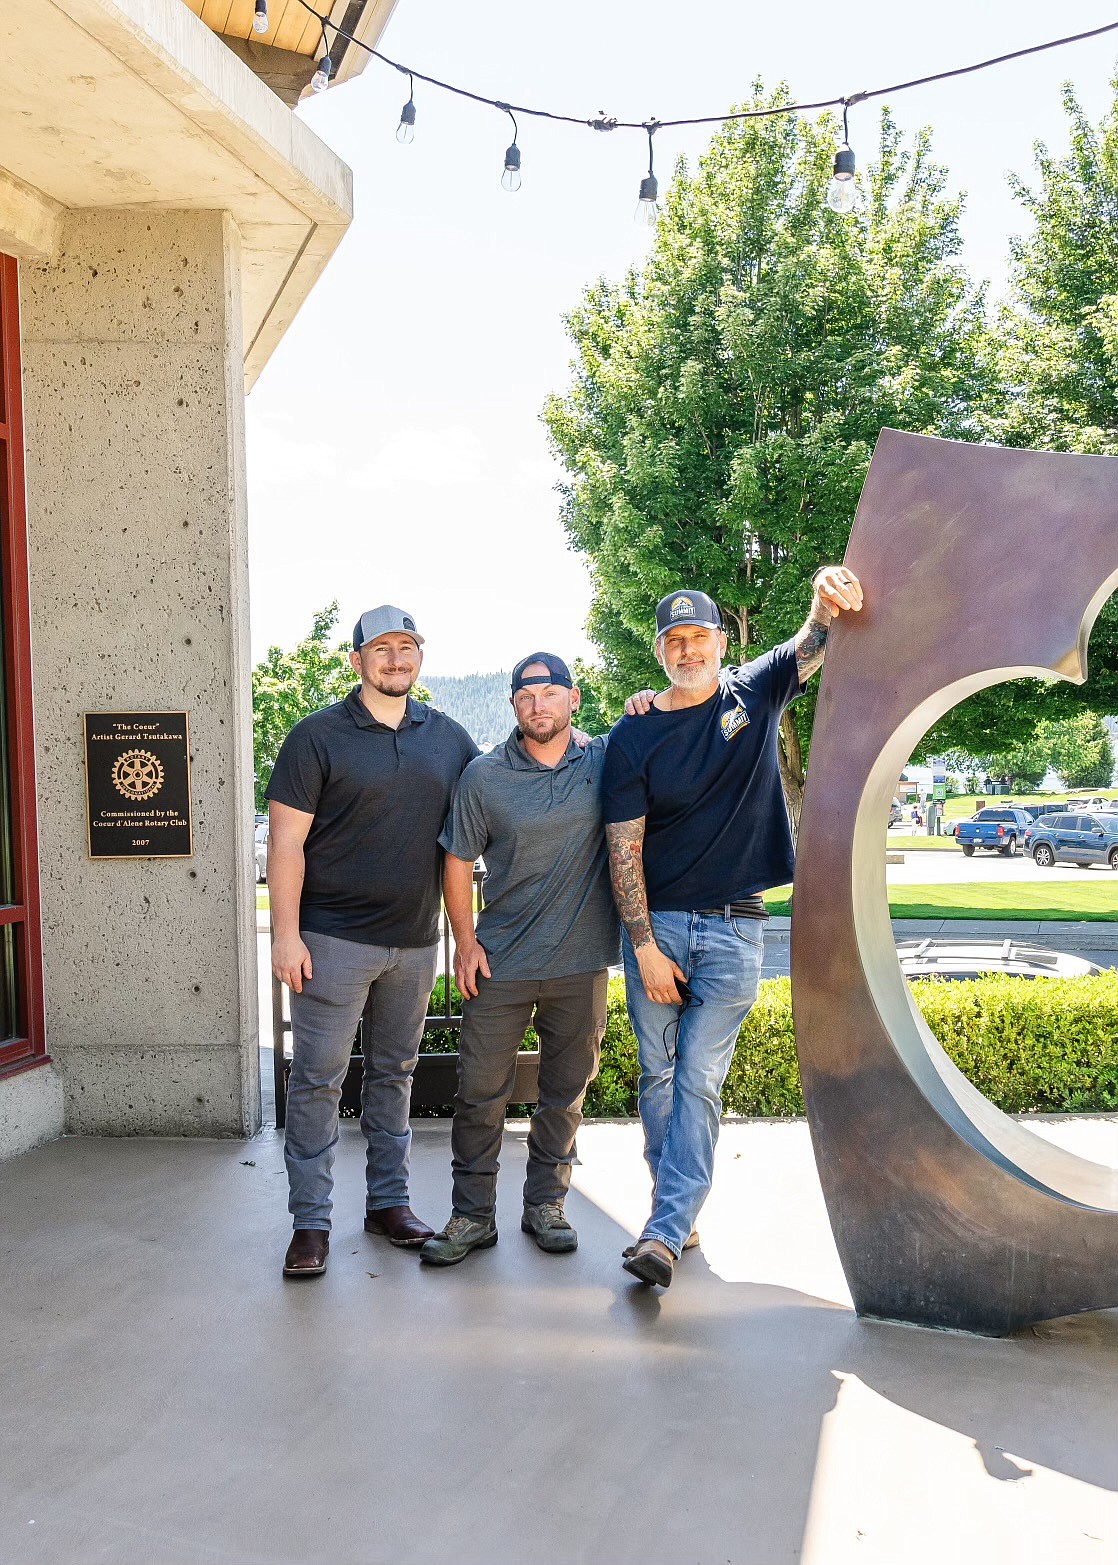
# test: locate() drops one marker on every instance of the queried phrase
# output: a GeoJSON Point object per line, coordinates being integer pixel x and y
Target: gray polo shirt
{"type": "Point", "coordinates": [548, 908]}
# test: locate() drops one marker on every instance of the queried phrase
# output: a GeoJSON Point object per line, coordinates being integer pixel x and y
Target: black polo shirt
{"type": "Point", "coordinates": [379, 797]}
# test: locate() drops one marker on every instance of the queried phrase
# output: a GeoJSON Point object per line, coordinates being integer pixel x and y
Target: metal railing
{"type": "Point", "coordinates": [436, 1074]}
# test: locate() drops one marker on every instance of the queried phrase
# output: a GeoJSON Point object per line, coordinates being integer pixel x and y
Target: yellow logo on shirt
{"type": "Point", "coordinates": [733, 722]}
{"type": "Point", "coordinates": [681, 605]}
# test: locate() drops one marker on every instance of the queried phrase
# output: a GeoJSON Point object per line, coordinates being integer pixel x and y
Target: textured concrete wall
{"type": "Point", "coordinates": [139, 599]}
{"type": "Point", "coordinates": [31, 1110]}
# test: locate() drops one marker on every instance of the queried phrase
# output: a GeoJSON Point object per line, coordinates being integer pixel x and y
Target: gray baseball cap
{"type": "Point", "coordinates": [383, 621]}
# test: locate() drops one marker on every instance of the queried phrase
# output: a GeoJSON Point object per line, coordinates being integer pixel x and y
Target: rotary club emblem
{"type": "Point", "coordinates": [137, 774]}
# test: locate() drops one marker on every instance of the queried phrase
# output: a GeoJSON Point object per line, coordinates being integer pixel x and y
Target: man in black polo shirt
{"type": "Point", "coordinates": [697, 830]}
{"type": "Point", "coordinates": [358, 797]}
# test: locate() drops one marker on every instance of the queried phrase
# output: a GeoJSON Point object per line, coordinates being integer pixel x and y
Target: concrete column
{"type": "Point", "coordinates": [134, 395]}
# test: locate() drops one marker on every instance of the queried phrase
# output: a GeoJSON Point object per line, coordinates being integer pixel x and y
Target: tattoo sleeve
{"type": "Point", "coordinates": [811, 641]}
{"type": "Point", "coordinates": [626, 874]}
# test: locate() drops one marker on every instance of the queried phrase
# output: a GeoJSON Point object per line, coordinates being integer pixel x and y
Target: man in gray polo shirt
{"type": "Point", "coordinates": [544, 940]}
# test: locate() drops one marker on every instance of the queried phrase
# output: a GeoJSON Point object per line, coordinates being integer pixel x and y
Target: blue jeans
{"type": "Point", "coordinates": [684, 1057]}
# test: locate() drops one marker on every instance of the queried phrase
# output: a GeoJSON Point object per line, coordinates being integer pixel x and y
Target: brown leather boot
{"type": "Point", "coordinates": [306, 1254]}
{"type": "Point", "coordinates": [399, 1225]}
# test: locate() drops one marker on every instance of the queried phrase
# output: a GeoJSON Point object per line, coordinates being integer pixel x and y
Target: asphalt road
{"type": "Point", "coordinates": [923, 867]}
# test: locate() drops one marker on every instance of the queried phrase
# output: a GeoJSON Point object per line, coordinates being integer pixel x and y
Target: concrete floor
{"type": "Point", "coordinates": [168, 1398]}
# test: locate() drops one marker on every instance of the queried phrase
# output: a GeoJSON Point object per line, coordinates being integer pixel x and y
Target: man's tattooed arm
{"type": "Point", "coordinates": [811, 640]}
{"type": "Point", "coordinates": [626, 874]}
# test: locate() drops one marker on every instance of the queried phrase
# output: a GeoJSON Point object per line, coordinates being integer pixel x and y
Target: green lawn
{"type": "Point", "coordinates": [936, 844]}
{"type": "Point", "coordinates": [963, 807]}
{"type": "Point", "coordinates": [1095, 900]}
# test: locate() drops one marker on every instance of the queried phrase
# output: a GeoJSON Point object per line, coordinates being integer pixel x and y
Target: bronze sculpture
{"type": "Point", "coordinates": [946, 1212]}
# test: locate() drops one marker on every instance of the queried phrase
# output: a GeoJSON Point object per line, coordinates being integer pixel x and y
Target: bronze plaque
{"type": "Point", "coordinates": [137, 785]}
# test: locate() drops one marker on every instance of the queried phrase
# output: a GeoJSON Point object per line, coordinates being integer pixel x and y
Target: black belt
{"type": "Point", "coordinates": [752, 907]}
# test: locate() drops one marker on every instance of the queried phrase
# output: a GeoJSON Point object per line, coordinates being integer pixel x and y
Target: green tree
{"type": "Point", "coordinates": [1079, 751]}
{"type": "Point", "coordinates": [1058, 369]}
{"type": "Point", "coordinates": [725, 399]}
{"type": "Point", "coordinates": [287, 686]}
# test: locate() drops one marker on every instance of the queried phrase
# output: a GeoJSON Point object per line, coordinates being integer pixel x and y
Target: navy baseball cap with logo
{"type": "Point", "coordinates": [557, 672]}
{"type": "Point", "coordinates": [384, 621]}
{"type": "Point", "coordinates": [687, 608]}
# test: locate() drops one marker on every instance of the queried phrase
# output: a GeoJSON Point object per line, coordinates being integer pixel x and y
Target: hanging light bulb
{"type": "Point", "coordinates": [510, 179]}
{"type": "Point", "coordinates": [842, 192]}
{"type": "Point", "coordinates": [321, 78]}
{"type": "Point", "coordinates": [405, 130]}
{"type": "Point", "coordinates": [260, 17]}
{"type": "Point", "coordinates": [648, 207]}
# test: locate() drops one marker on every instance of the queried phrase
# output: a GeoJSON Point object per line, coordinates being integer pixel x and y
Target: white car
{"type": "Point", "coordinates": [260, 852]}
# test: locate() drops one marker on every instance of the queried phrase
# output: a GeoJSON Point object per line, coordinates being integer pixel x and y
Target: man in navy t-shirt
{"type": "Point", "coordinates": [697, 830]}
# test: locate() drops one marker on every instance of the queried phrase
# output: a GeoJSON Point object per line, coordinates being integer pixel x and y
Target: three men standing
{"type": "Point", "coordinates": [358, 796]}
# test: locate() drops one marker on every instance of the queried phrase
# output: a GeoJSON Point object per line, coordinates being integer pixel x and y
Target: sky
{"type": "Point", "coordinates": [395, 450]}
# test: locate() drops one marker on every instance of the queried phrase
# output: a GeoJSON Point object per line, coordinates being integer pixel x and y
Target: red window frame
{"type": "Point", "coordinates": [29, 1046]}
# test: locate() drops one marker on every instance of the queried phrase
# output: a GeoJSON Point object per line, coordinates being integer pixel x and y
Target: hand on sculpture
{"type": "Point", "coordinates": [837, 589]}
{"type": "Point", "coordinates": [639, 703]}
{"type": "Point", "coordinates": [470, 961]}
{"type": "Point", "coordinates": [291, 962]}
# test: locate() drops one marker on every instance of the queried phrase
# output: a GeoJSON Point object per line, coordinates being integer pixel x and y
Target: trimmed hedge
{"type": "Point", "coordinates": [1045, 1046]}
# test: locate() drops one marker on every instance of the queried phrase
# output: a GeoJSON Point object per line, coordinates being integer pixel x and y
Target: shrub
{"type": "Point", "coordinates": [1029, 1045]}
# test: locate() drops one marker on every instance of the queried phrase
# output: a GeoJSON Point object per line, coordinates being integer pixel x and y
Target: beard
{"type": "Point", "coordinates": [541, 730]}
{"type": "Point", "coordinates": [392, 682]}
{"type": "Point", "coordinates": [695, 678]}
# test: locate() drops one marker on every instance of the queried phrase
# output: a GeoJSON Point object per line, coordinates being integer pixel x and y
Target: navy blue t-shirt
{"type": "Point", "coordinates": [707, 781]}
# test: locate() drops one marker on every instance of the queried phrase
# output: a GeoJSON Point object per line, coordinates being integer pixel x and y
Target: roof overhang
{"type": "Point", "coordinates": [138, 104]}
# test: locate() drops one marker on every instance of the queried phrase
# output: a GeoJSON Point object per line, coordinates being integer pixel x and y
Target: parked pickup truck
{"type": "Point", "coordinates": [1000, 830]}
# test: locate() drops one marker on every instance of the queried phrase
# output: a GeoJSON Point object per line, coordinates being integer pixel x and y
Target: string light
{"type": "Point", "coordinates": [841, 192]}
{"type": "Point", "coordinates": [405, 131]}
{"type": "Point", "coordinates": [648, 208]}
{"type": "Point", "coordinates": [510, 179]}
{"type": "Point", "coordinates": [321, 78]}
{"type": "Point", "coordinates": [260, 17]}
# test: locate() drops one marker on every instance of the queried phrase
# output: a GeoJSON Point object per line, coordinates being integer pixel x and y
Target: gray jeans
{"type": "Point", "coordinates": [324, 1020]}
{"type": "Point", "coordinates": [570, 1018]}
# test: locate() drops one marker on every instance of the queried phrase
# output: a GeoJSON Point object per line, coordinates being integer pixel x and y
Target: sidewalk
{"type": "Point", "coordinates": [170, 1400]}
{"type": "Point", "coordinates": [1082, 935]}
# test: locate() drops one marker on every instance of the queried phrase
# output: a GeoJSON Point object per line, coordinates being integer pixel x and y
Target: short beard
{"type": "Point", "coordinates": [384, 683]}
{"type": "Point", "coordinates": [558, 725]}
{"type": "Point", "coordinates": [695, 678]}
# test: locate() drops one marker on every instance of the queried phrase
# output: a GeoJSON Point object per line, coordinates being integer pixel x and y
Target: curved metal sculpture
{"type": "Point", "coordinates": [946, 1212]}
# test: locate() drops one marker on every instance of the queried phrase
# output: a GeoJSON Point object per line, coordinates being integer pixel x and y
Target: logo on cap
{"type": "Point", "coordinates": [409, 623]}
{"type": "Point", "coordinates": [680, 606]}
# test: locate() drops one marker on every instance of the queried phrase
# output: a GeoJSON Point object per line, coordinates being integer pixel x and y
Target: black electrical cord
{"type": "Point", "coordinates": [604, 122]}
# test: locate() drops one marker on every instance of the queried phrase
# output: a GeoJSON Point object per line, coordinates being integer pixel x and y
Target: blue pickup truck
{"type": "Point", "coordinates": [1000, 830]}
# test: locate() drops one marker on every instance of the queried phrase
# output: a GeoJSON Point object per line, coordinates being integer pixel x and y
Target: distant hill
{"type": "Point", "coordinates": [480, 702]}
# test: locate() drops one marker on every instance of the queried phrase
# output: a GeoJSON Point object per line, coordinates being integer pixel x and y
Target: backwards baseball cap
{"type": "Point", "coordinates": [557, 672]}
{"type": "Point", "coordinates": [384, 621]}
{"type": "Point", "coordinates": [687, 608]}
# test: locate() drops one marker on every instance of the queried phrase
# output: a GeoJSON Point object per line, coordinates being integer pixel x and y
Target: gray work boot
{"type": "Point", "coordinates": [458, 1238]}
{"type": "Point", "coordinates": [549, 1227]}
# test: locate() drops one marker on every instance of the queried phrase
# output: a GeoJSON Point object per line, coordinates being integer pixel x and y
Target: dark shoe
{"type": "Point", "coordinates": [306, 1254]}
{"type": "Point", "coordinates": [651, 1262]}
{"type": "Point", "coordinates": [692, 1242]}
{"type": "Point", "coordinates": [458, 1238]}
{"type": "Point", "coordinates": [399, 1225]}
{"type": "Point", "coordinates": [549, 1227]}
